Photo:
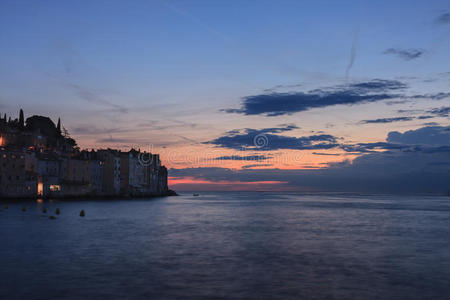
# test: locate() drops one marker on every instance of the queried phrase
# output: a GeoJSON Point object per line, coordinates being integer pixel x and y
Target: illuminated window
{"type": "Point", "coordinates": [55, 188]}
{"type": "Point", "coordinates": [40, 189]}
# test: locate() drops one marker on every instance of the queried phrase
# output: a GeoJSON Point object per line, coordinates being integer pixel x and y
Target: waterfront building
{"type": "Point", "coordinates": [39, 159]}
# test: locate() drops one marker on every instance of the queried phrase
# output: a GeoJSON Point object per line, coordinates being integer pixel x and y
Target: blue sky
{"type": "Point", "coordinates": [164, 73]}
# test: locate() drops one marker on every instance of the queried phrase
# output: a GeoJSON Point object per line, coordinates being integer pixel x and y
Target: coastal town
{"type": "Point", "coordinates": [39, 159]}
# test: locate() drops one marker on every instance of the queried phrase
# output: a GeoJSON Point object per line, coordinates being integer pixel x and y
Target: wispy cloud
{"type": "Point", "coordinates": [256, 165]}
{"type": "Point", "coordinates": [244, 158]}
{"type": "Point", "coordinates": [441, 112]}
{"type": "Point", "coordinates": [326, 154]}
{"type": "Point", "coordinates": [388, 120]}
{"type": "Point", "coordinates": [94, 97]}
{"type": "Point", "coordinates": [443, 18]}
{"type": "Point", "coordinates": [352, 53]}
{"type": "Point", "coordinates": [406, 54]}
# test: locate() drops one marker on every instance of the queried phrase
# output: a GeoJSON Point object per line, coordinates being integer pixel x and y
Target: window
{"type": "Point", "coordinates": [55, 188]}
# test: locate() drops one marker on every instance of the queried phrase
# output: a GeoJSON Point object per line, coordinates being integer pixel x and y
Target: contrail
{"type": "Point", "coordinates": [352, 53]}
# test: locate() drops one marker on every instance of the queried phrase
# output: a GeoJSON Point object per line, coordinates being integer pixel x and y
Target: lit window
{"type": "Point", "coordinates": [55, 188]}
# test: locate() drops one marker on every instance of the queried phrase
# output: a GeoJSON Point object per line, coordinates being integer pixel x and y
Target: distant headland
{"type": "Point", "coordinates": [39, 159]}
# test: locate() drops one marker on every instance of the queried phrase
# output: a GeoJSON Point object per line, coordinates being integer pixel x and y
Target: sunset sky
{"type": "Point", "coordinates": [243, 95]}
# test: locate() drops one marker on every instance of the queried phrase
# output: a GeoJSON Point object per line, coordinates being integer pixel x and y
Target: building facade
{"type": "Point", "coordinates": [38, 160]}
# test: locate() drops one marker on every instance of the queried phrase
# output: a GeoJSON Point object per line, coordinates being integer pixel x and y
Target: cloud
{"type": "Point", "coordinates": [388, 120]}
{"type": "Point", "coordinates": [424, 117]}
{"type": "Point", "coordinates": [244, 158]}
{"type": "Point", "coordinates": [267, 139]}
{"type": "Point", "coordinates": [256, 165]}
{"type": "Point", "coordinates": [276, 104]}
{"type": "Point", "coordinates": [93, 130]}
{"type": "Point", "coordinates": [431, 135]}
{"type": "Point", "coordinates": [406, 54]}
{"type": "Point", "coordinates": [406, 169]}
{"type": "Point", "coordinates": [436, 96]}
{"type": "Point", "coordinates": [352, 53]}
{"type": "Point", "coordinates": [282, 86]}
{"type": "Point", "coordinates": [372, 147]}
{"type": "Point", "coordinates": [441, 112]}
{"type": "Point", "coordinates": [93, 97]}
{"type": "Point", "coordinates": [443, 19]}
{"type": "Point", "coordinates": [326, 154]}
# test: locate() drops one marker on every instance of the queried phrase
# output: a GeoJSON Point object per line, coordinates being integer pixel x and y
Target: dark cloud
{"type": "Point", "coordinates": [436, 96]}
{"type": "Point", "coordinates": [267, 139]}
{"type": "Point", "coordinates": [409, 111]}
{"type": "Point", "coordinates": [406, 54]}
{"type": "Point", "coordinates": [388, 120]}
{"type": "Point", "coordinates": [431, 135]}
{"type": "Point", "coordinates": [256, 165]}
{"type": "Point", "coordinates": [244, 158]}
{"type": "Point", "coordinates": [424, 139]}
{"type": "Point", "coordinates": [326, 154]}
{"type": "Point", "coordinates": [394, 172]}
{"type": "Point", "coordinates": [403, 169]}
{"type": "Point", "coordinates": [275, 104]}
{"type": "Point", "coordinates": [443, 19]}
{"type": "Point", "coordinates": [424, 117]}
{"type": "Point", "coordinates": [372, 147]}
{"type": "Point", "coordinates": [441, 112]}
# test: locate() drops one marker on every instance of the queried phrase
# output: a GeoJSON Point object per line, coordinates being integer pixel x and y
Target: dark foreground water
{"type": "Point", "coordinates": [228, 246]}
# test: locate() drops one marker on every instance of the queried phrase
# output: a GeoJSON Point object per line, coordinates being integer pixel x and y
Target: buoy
{"type": "Point", "coordinates": [82, 214]}
{"type": "Point", "coordinates": [44, 210]}
{"type": "Point", "coordinates": [52, 217]}
{"type": "Point", "coordinates": [24, 208]}
{"type": "Point", "coordinates": [57, 211]}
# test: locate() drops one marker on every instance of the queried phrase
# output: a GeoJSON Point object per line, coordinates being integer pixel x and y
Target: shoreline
{"type": "Point", "coordinates": [170, 193]}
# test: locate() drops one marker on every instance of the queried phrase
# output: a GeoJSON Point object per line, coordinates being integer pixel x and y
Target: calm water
{"type": "Point", "coordinates": [229, 246]}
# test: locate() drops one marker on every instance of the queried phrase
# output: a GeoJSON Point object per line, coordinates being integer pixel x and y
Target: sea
{"type": "Point", "coordinates": [230, 245]}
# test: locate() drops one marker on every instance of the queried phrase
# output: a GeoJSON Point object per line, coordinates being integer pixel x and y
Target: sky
{"type": "Point", "coordinates": [244, 95]}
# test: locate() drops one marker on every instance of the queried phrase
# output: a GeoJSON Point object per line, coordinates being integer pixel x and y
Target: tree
{"type": "Point", "coordinates": [58, 127]}
{"type": "Point", "coordinates": [21, 119]}
{"type": "Point", "coordinates": [65, 133]}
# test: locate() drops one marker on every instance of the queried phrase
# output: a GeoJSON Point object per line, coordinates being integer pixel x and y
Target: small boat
{"type": "Point", "coordinates": [195, 195]}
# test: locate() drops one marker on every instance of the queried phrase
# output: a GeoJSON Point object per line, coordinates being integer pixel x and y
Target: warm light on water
{"type": "Point", "coordinates": [229, 246]}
